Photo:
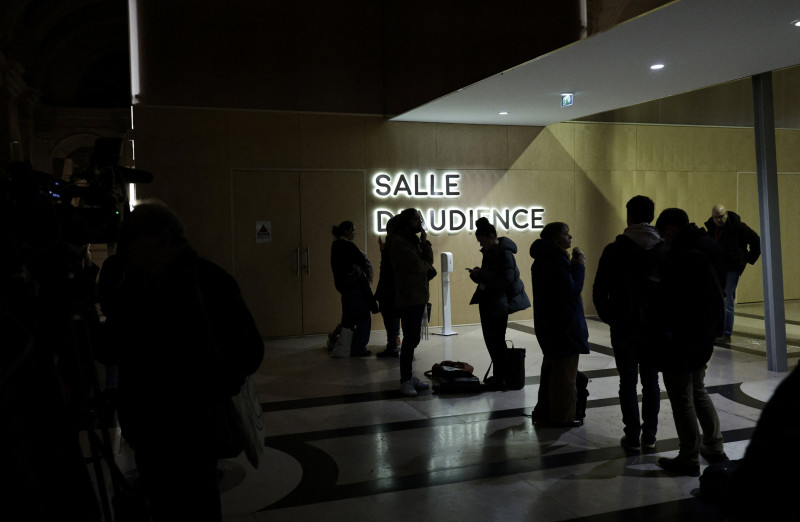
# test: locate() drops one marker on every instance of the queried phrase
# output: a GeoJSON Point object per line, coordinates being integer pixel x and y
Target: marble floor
{"type": "Point", "coordinates": [343, 444]}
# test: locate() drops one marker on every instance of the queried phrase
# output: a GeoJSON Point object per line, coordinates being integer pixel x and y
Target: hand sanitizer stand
{"type": "Point", "coordinates": [447, 269]}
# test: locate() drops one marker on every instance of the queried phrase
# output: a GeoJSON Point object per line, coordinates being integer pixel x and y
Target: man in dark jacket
{"type": "Point", "coordinates": [186, 343]}
{"type": "Point", "coordinates": [692, 297]}
{"type": "Point", "coordinates": [623, 293]}
{"type": "Point", "coordinates": [740, 245]}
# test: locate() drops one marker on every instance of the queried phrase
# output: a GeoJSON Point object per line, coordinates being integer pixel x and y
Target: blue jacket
{"type": "Point", "coordinates": [558, 316]}
{"type": "Point", "coordinates": [503, 291]}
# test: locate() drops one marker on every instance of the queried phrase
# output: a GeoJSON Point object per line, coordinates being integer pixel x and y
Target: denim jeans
{"type": "Point", "coordinates": [690, 403]}
{"type": "Point", "coordinates": [731, 281]}
{"type": "Point", "coordinates": [411, 321]}
{"type": "Point", "coordinates": [629, 372]}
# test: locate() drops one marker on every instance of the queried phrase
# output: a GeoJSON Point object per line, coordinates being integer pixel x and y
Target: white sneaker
{"type": "Point", "coordinates": [407, 388]}
{"type": "Point", "coordinates": [419, 385]}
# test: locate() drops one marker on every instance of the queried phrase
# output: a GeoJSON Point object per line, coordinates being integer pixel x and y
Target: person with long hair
{"type": "Point", "coordinates": [352, 276]}
{"type": "Point", "coordinates": [500, 292]}
{"type": "Point", "coordinates": [559, 321]}
{"type": "Point", "coordinates": [411, 256]}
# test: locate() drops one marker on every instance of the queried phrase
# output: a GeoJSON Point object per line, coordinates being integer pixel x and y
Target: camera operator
{"type": "Point", "coordinates": [185, 343]}
{"type": "Point", "coordinates": [44, 286]}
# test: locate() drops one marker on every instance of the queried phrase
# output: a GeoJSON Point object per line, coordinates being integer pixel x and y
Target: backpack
{"type": "Point", "coordinates": [454, 377]}
{"type": "Point", "coordinates": [641, 281]}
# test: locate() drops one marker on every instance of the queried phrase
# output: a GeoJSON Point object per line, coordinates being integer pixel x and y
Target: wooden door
{"type": "Point", "coordinates": [287, 280]}
{"type": "Point", "coordinates": [327, 199]}
{"type": "Point", "coordinates": [268, 268]}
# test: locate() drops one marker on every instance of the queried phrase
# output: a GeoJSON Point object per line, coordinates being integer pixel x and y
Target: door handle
{"type": "Point", "coordinates": [308, 261]}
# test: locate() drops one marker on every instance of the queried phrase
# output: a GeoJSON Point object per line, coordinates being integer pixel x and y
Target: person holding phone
{"type": "Point", "coordinates": [500, 292]}
{"type": "Point", "coordinates": [559, 321]}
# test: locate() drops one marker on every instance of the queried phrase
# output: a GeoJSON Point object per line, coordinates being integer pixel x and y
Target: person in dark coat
{"type": "Point", "coordinates": [559, 321]}
{"type": "Point", "coordinates": [692, 297]}
{"type": "Point", "coordinates": [411, 256]}
{"type": "Point", "coordinates": [740, 245]}
{"type": "Point", "coordinates": [177, 320]}
{"type": "Point", "coordinates": [352, 276]}
{"type": "Point", "coordinates": [624, 294]}
{"type": "Point", "coordinates": [385, 295]}
{"type": "Point", "coordinates": [500, 292]}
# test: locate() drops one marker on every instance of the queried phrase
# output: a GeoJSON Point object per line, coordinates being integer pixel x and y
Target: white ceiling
{"type": "Point", "coordinates": [700, 42]}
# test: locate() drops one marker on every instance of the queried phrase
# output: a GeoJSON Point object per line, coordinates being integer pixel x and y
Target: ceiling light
{"type": "Point", "coordinates": [796, 23]}
{"type": "Point", "coordinates": [657, 66]}
{"type": "Point", "coordinates": [567, 99]}
{"type": "Point", "coordinates": [504, 113]}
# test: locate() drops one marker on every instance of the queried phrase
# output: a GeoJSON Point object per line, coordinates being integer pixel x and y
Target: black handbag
{"type": "Point", "coordinates": [514, 371]}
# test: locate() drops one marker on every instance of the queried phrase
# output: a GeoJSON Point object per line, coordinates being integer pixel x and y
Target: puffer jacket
{"type": "Point", "coordinates": [502, 291]}
{"type": "Point", "coordinates": [558, 316]}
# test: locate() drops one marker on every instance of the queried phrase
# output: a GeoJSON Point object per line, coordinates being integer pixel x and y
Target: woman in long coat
{"type": "Point", "coordinates": [558, 318]}
{"type": "Point", "coordinates": [352, 275]}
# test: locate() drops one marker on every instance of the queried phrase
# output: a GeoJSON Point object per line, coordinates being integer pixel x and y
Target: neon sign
{"type": "Point", "coordinates": [416, 185]}
{"type": "Point", "coordinates": [448, 220]}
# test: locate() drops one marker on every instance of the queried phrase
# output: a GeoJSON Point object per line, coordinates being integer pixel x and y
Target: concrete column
{"type": "Point", "coordinates": [768, 211]}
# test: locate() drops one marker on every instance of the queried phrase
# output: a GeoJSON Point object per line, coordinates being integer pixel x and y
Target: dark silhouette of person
{"type": "Point", "coordinates": [740, 245]}
{"type": "Point", "coordinates": [559, 321]}
{"type": "Point", "coordinates": [385, 295]}
{"type": "Point", "coordinates": [185, 342]}
{"type": "Point", "coordinates": [500, 292]}
{"type": "Point", "coordinates": [352, 276]}
{"type": "Point", "coordinates": [691, 297]}
{"type": "Point", "coordinates": [411, 256]}
{"type": "Point", "coordinates": [624, 294]}
{"type": "Point", "coordinates": [762, 472]}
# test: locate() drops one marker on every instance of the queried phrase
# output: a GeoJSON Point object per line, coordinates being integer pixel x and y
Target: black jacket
{"type": "Point", "coordinates": [625, 285]}
{"type": "Point", "coordinates": [691, 296]}
{"type": "Point", "coordinates": [503, 291]}
{"type": "Point", "coordinates": [556, 285]}
{"type": "Point", "coordinates": [740, 244]}
{"type": "Point", "coordinates": [191, 326]}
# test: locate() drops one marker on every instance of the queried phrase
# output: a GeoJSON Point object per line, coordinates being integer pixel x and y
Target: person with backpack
{"type": "Point", "coordinates": [623, 294]}
{"type": "Point", "coordinates": [692, 297]}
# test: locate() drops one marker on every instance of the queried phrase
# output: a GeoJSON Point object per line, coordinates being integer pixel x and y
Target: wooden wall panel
{"type": "Point", "coordinates": [605, 147]}
{"type": "Point", "coordinates": [581, 173]}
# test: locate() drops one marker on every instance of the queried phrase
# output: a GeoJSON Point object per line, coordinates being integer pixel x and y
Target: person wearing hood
{"type": "Point", "coordinates": [624, 293]}
{"type": "Point", "coordinates": [740, 245]}
{"type": "Point", "coordinates": [691, 296]}
{"type": "Point", "coordinates": [500, 292]}
{"type": "Point", "coordinates": [559, 321]}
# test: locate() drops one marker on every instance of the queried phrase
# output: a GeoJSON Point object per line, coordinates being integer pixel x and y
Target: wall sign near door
{"type": "Point", "coordinates": [449, 220]}
{"type": "Point", "coordinates": [263, 231]}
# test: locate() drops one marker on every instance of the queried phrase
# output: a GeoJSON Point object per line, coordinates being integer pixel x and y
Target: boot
{"type": "Point", "coordinates": [342, 346]}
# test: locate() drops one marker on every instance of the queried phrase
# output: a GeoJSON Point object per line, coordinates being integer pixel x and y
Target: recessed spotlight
{"type": "Point", "coordinates": [504, 113]}
{"type": "Point", "coordinates": [796, 23]}
{"type": "Point", "coordinates": [657, 66]}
